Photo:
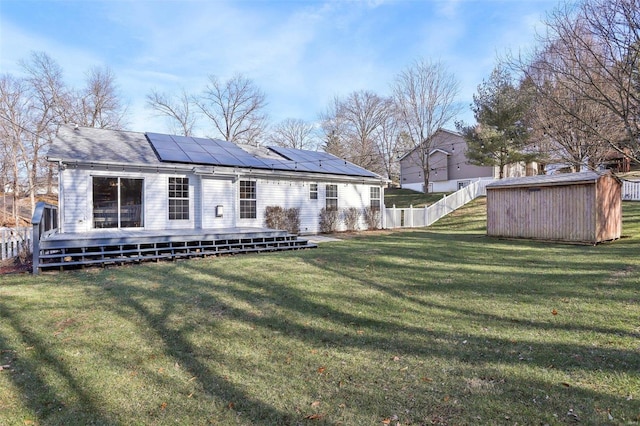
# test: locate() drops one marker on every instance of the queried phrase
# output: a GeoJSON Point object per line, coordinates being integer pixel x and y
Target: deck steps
{"type": "Point", "coordinates": [77, 253]}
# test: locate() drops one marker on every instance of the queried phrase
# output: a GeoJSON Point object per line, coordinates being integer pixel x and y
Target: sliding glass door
{"type": "Point", "coordinates": [117, 202]}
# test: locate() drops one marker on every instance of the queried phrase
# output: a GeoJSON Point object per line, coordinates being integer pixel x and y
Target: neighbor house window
{"type": "Point", "coordinates": [374, 197]}
{"type": "Point", "coordinates": [178, 198]}
{"type": "Point", "coordinates": [248, 208]}
{"type": "Point", "coordinates": [117, 202]}
{"type": "Point", "coordinates": [313, 191]}
{"type": "Point", "coordinates": [463, 184]}
{"type": "Point", "coordinates": [332, 197]}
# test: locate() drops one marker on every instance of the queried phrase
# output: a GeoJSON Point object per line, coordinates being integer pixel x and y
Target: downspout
{"type": "Point", "coordinates": [60, 198]}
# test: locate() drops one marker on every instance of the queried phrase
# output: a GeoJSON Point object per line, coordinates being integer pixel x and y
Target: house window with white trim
{"type": "Point", "coordinates": [331, 197]}
{"type": "Point", "coordinates": [178, 198]}
{"type": "Point", "coordinates": [313, 191]}
{"type": "Point", "coordinates": [117, 202]}
{"type": "Point", "coordinates": [374, 197]}
{"type": "Point", "coordinates": [248, 199]}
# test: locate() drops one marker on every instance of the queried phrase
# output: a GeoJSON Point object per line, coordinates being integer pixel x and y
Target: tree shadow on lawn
{"type": "Point", "coordinates": [155, 308]}
{"type": "Point", "coordinates": [258, 300]}
{"type": "Point", "coordinates": [556, 270]}
{"type": "Point", "coordinates": [45, 400]}
{"type": "Point", "coordinates": [261, 293]}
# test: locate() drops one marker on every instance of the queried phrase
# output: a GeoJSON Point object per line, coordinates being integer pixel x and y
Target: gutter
{"type": "Point", "coordinates": [219, 171]}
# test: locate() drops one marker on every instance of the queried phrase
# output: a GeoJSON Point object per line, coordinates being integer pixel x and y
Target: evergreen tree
{"type": "Point", "coordinates": [500, 135]}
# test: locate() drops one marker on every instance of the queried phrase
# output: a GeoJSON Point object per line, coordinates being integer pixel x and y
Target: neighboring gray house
{"type": "Point", "coordinates": [450, 170]}
{"type": "Point", "coordinates": [156, 182]}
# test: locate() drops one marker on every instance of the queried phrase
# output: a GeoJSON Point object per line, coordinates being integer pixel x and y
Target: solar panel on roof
{"type": "Point", "coordinates": [172, 155]}
{"type": "Point", "coordinates": [185, 149]}
{"type": "Point", "coordinates": [195, 148]}
{"type": "Point", "coordinates": [322, 162]}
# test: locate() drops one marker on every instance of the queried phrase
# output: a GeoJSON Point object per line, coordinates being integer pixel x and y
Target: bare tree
{"type": "Point", "coordinates": [49, 104]}
{"type": "Point", "coordinates": [355, 121]}
{"type": "Point", "coordinates": [46, 84]}
{"type": "Point", "coordinates": [99, 104]}
{"type": "Point", "coordinates": [425, 99]}
{"type": "Point", "coordinates": [178, 110]}
{"type": "Point", "coordinates": [390, 142]}
{"type": "Point", "coordinates": [333, 128]}
{"type": "Point", "coordinates": [235, 107]}
{"type": "Point", "coordinates": [556, 120]}
{"type": "Point", "coordinates": [590, 53]}
{"type": "Point", "coordinates": [14, 124]}
{"type": "Point", "coordinates": [293, 133]}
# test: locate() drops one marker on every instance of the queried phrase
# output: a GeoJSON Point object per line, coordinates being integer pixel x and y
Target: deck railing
{"type": "Point", "coordinates": [45, 222]}
{"type": "Point", "coordinates": [424, 216]}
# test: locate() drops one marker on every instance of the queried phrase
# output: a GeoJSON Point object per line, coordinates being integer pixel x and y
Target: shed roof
{"type": "Point", "coordinates": [86, 145]}
{"type": "Point", "coordinates": [546, 180]}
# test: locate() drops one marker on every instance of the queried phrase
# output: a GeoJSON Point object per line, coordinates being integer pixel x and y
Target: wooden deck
{"type": "Point", "coordinates": [113, 246]}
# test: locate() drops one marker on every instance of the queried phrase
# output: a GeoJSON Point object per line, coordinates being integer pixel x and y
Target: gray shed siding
{"type": "Point", "coordinates": [553, 213]}
{"type": "Point", "coordinates": [582, 211]}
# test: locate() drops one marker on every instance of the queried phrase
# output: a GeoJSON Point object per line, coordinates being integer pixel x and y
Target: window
{"type": "Point", "coordinates": [248, 199]}
{"type": "Point", "coordinates": [117, 202]}
{"type": "Point", "coordinates": [313, 191]}
{"type": "Point", "coordinates": [178, 198]}
{"type": "Point", "coordinates": [374, 197]}
{"type": "Point", "coordinates": [332, 197]}
{"type": "Point", "coordinates": [463, 184]}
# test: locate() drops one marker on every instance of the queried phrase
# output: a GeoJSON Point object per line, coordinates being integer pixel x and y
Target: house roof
{"type": "Point", "coordinates": [451, 132]}
{"type": "Point", "coordinates": [439, 150]}
{"type": "Point", "coordinates": [546, 180]}
{"type": "Point", "coordinates": [90, 145]}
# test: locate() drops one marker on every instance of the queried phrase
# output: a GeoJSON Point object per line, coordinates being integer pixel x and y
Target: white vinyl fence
{"type": "Point", "coordinates": [630, 190]}
{"type": "Point", "coordinates": [424, 216]}
{"type": "Point", "coordinates": [14, 240]}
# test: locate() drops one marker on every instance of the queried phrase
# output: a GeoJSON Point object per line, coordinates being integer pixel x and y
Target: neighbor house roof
{"type": "Point", "coordinates": [546, 180]}
{"type": "Point", "coordinates": [90, 145]}
{"type": "Point", "coordinates": [451, 132]}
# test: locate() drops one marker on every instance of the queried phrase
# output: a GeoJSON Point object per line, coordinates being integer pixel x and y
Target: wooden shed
{"type": "Point", "coordinates": [577, 207]}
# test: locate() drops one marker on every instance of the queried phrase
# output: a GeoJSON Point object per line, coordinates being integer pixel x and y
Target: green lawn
{"type": "Point", "coordinates": [406, 198]}
{"type": "Point", "coordinates": [430, 326]}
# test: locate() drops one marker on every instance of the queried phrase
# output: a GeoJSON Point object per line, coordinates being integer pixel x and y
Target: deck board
{"type": "Point", "coordinates": [98, 234]}
{"type": "Point", "coordinates": [102, 247]}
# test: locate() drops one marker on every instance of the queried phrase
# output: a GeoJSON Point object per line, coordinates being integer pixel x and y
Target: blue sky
{"type": "Point", "coordinates": [300, 53]}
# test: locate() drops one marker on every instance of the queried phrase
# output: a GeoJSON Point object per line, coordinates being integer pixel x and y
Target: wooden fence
{"type": "Point", "coordinates": [424, 216]}
{"type": "Point", "coordinates": [13, 241]}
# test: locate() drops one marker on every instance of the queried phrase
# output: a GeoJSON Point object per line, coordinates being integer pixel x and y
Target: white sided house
{"type": "Point", "coordinates": [119, 179]}
{"type": "Point", "coordinates": [449, 166]}
{"type": "Point", "coordinates": [156, 195]}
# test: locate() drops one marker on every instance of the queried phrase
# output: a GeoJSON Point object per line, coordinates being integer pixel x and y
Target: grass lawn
{"type": "Point", "coordinates": [431, 326]}
{"type": "Point", "coordinates": [407, 197]}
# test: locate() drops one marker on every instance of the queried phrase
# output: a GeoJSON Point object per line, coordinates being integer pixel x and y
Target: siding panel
{"type": "Point", "coordinates": [568, 212]}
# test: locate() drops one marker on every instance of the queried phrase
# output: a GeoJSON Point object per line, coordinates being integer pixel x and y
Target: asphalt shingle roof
{"type": "Point", "coordinates": [546, 180]}
{"type": "Point", "coordinates": [90, 145]}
